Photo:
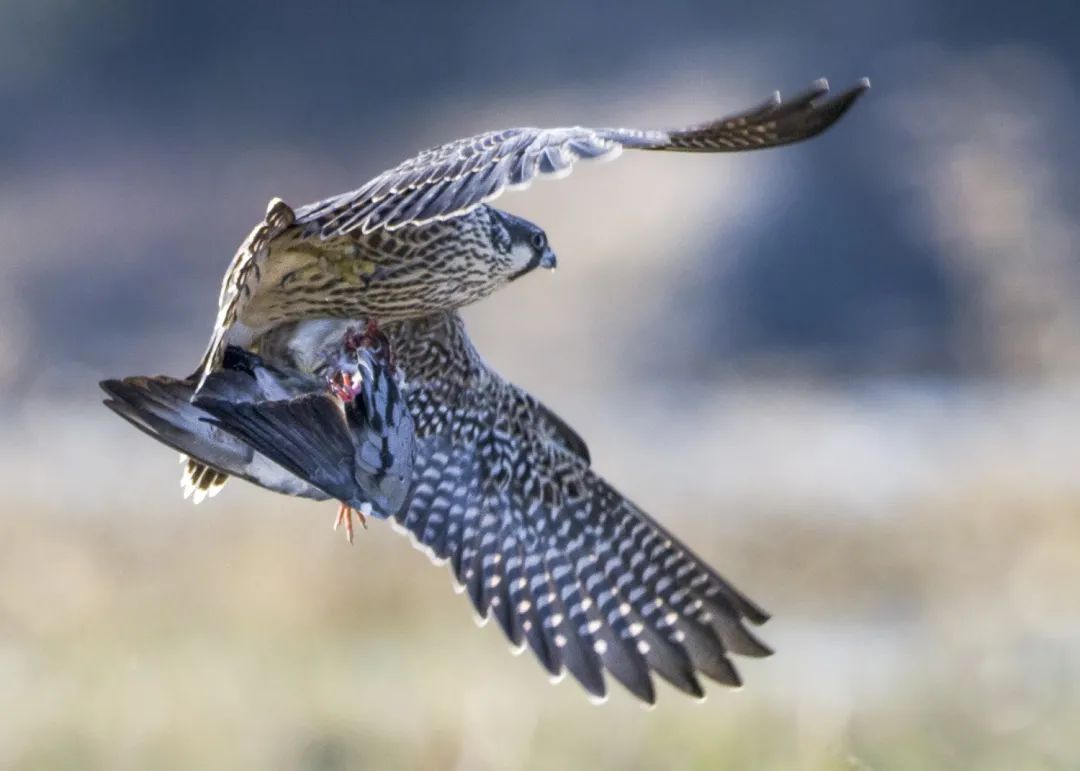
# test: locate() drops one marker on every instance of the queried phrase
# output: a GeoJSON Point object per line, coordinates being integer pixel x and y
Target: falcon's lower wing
{"type": "Point", "coordinates": [566, 565]}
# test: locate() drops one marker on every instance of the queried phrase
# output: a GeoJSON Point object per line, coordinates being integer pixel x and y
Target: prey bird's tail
{"type": "Point", "coordinates": [169, 410]}
{"type": "Point", "coordinates": [161, 407]}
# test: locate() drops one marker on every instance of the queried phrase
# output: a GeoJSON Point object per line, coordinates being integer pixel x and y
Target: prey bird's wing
{"type": "Point", "coordinates": [306, 435]}
{"type": "Point", "coordinates": [358, 452]}
{"type": "Point", "coordinates": [161, 407]}
{"type": "Point", "coordinates": [503, 491]}
{"type": "Point", "coordinates": [450, 180]}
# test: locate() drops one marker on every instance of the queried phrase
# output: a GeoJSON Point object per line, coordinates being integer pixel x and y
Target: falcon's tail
{"type": "Point", "coordinates": [160, 407]}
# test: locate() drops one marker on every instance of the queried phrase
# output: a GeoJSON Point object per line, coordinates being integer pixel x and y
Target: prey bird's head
{"type": "Point", "coordinates": [523, 246]}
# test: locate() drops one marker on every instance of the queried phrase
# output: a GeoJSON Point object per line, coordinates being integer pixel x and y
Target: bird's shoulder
{"type": "Point", "coordinates": [450, 387]}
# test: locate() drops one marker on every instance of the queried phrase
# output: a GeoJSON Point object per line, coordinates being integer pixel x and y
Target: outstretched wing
{"type": "Point", "coordinates": [565, 564]}
{"type": "Point", "coordinates": [450, 180]}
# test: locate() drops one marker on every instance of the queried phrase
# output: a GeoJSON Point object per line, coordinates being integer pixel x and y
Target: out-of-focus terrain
{"type": "Point", "coordinates": [847, 373]}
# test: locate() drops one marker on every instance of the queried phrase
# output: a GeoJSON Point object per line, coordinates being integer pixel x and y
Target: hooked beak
{"type": "Point", "coordinates": [547, 259]}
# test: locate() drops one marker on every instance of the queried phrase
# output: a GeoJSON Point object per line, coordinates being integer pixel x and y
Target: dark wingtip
{"type": "Point", "coordinates": [121, 390]}
{"type": "Point", "coordinates": [848, 97]}
{"type": "Point", "coordinates": [110, 386]}
{"type": "Point", "coordinates": [834, 108]}
{"type": "Point", "coordinates": [755, 648]}
{"type": "Point", "coordinates": [862, 85]}
{"type": "Point", "coordinates": [753, 612]}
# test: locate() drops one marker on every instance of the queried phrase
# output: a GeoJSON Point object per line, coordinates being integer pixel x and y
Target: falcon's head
{"type": "Point", "coordinates": [523, 245]}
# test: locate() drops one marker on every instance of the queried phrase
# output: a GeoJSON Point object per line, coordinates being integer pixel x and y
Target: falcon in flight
{"type": "Point", "coordinates": [339, 368]}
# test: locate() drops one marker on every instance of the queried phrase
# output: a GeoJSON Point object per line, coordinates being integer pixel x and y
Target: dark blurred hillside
{"type": "Point", "coordinates": [147, 136]}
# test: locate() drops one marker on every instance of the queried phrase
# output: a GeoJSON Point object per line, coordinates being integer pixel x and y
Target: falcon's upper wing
{"type": "Point", "coordinates": [450, 180]}
{"type": "Point", "coordinates": [567, 565]}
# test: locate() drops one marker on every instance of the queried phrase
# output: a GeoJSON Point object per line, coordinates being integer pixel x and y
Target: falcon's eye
{"type": "Point", "coordinates": [539, 240]}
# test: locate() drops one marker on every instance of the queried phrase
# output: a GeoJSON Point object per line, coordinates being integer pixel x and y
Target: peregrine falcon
{"type": "Point", "coordinates": [420, 238]}
{"type": "Point", "coordinates": [339, 368]}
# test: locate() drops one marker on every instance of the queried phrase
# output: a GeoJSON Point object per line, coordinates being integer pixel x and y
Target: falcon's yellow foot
{"type": "Point", "coordinates": [345, 515]}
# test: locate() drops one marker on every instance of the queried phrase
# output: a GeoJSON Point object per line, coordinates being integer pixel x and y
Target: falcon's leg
{"type": "Point", "coordinates": [345, 515]}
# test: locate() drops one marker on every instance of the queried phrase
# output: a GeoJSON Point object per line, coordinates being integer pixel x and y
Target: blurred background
{"type": "Point", "coordinates": [847, 372]}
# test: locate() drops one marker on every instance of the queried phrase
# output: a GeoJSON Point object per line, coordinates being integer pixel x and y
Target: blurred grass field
{"type": "Point", "coordinates": [137, 631]}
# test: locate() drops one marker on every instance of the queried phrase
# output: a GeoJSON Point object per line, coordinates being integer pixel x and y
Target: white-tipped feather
{"type": "Point", "coordinates": [517, 650]}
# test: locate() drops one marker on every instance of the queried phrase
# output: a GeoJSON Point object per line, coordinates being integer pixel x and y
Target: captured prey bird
{"type": "Point", "coordinates": [346, 406]}
{"type": "Point", "coordinates": [420, 238]}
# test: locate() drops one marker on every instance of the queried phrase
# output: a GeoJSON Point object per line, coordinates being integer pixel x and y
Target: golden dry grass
{"type": "Point", "coordinates": [242, 634]}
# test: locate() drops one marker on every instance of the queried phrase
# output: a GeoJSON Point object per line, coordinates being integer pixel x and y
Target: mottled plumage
{"type": "Point", "coordinates": [503, 491]}
{"type": "Point", "coordinates": [419, 238]}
